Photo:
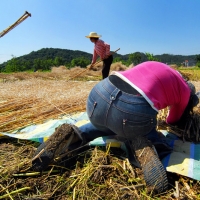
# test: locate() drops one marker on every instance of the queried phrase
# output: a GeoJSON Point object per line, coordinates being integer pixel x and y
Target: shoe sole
{"type": "Point", "coordinates": [57, 143]}
{"type": "Point", "coordinates": [153, 170]}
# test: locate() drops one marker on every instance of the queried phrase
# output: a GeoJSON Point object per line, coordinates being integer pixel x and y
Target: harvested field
{"type": "Point", "coordinates": [28, 98]}
{"type": "Point", "coordinates": [95, 174]}
{"type": "Point", "coordinates": [34, 101]}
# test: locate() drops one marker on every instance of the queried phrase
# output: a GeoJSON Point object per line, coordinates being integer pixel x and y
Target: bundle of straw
{"type": "Point", "coordinates": [187, 132]}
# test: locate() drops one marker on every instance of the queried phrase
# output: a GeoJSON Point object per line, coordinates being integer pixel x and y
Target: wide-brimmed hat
{"type": "Point", "coordinates": [93, 35]}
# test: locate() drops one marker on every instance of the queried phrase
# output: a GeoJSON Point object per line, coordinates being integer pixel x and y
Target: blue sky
{"type": "Point", "coordinates": [154, 26]}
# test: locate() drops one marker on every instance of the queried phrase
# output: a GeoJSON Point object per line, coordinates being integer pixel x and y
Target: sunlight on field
{"type": "Point", "coordinates": [32, 98]}
{"type": "Point", "coordinates": [28, 98]}
{"type": "Point", "coordinates": [193, 73]}
{"type": "Point", "coordinates": [33, 101]}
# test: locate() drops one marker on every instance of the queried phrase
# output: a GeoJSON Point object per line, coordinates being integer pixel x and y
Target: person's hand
{"type": "Point", "coordinates": [106, 57]}
{"type": "Point", "coordinates": [90, 67]}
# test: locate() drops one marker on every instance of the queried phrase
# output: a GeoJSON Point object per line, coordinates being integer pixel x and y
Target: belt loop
{"type": "Point", "coordinates": [114, 94]}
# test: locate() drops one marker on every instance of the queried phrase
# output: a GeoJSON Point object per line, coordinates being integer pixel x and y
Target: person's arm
{"type": "Point", "coordinates": [176, 111]}
{"type": "Point", "coordinates": [94, 57]}
{"type": "Point", "coordinates": [93, 60]}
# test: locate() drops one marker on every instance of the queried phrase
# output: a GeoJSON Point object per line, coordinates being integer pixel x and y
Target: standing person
{"type": "Point", "coordinates": [101, 49]}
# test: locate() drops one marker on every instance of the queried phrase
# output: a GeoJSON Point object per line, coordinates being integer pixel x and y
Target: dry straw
{"type": "Point", "coordinates": [36, 100]}
{"type": "Point", "coordinates": [32, 98]}
{"type": "Point", "coordinates": [96, 174]}
{"type": "Point", "coordinates": [28, 98]}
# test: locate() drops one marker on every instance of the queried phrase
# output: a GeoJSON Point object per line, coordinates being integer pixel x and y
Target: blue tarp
{"type": "Point", "coordinates": [184, 160]}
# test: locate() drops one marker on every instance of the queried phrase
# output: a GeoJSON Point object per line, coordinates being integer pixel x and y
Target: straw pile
{"type": "Point", "coordinates": [33, 101]}
{"type": "Point", "coordinates": [187, 132]}
{"type": "Point", "coordinates": [95, 174]}
{"type": "Point", "coordinates": [60, 69]}
{"type": "Point", "coordinates": [118, 66]}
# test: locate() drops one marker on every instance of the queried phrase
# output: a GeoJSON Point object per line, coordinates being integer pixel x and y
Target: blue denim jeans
{"type": "Point", "coordinates": [115, 112]}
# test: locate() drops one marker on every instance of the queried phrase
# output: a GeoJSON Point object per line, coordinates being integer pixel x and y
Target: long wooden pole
{"type": "Point", "coordinates": [21, 19]}
{"type": "Point", "coordinates": [92, 65]}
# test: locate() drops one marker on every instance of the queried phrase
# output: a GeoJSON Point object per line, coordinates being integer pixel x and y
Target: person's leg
{"type": "Point", "coordinates": [161, 143]}
{"type": "Point", "coordinates": [89, 132]}
{"type": "Point", "coordinates": [131, 118]}
{"type": "Point", "coordinates": [106, 66]}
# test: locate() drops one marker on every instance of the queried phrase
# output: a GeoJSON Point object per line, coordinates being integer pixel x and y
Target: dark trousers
{"type": "Point", "coordinates": [106, 66]}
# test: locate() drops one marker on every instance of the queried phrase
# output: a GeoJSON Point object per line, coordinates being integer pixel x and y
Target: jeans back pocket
{"type": "Point", "coordinates": [140, 126]}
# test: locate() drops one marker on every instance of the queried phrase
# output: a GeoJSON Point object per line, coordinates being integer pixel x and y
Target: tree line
{"type": "Point", "coordinates": [46, 58]}
{"type": "Point", "coordinates": [19, 65]}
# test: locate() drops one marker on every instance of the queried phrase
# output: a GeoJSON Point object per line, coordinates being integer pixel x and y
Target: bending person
{"type": "Point", "coordinates": [127, 103]}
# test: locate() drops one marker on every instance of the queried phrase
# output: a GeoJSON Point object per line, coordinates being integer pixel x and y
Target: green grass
{"type": "Point", "coordinates": [193, 73]}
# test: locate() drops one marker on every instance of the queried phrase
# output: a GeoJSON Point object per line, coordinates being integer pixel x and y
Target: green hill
{"type": "Point", "coordinates": [47, 57]}
{"type": "Point", "coordinates": [52, 53]}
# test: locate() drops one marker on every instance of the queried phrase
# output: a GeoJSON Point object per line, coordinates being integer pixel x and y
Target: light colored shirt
{"type": "Point", "coordinates": [160, 85]}
{"type": "Point", "coordinates": [101, 49]}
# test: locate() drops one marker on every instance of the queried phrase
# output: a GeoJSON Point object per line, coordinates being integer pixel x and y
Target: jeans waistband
{"type": "Point", "coordinates": [122, 85]}
{"type": "Point", "coordinates": [114, 91]}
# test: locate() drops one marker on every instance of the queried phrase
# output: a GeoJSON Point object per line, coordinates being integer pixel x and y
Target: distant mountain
{"type": "Point", "coordinates": [51, 56]}
{"type": "Point", "coordinates": [174, 59]}
{"type": "Point", "coordinates": [65, 57]}
{"type": "Point", "coordinates": [52, 53]}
